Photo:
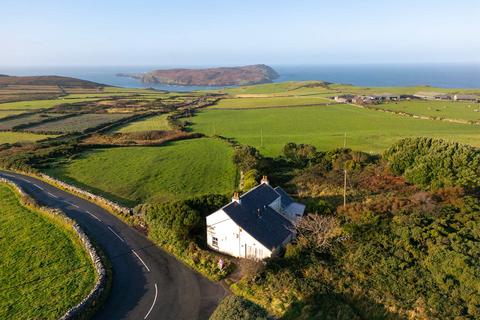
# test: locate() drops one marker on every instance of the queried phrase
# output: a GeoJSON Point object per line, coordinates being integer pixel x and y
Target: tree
{"type": "Point", "coordinates": [246, 157]}
{"type": "Point", "coordinates": [317, 231]}
{"type": "Point", "coordinates": [238, 308]}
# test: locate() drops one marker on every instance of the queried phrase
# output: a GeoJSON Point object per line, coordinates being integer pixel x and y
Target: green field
{"type": "Point", "coordinates": [14, 137]}
{"type": "Point", "coordinates": [240, 103]}
{"type": "Point", "coordinates": [325, 126]}
{"type": "Point", "coordinates": [40, 104]}
{"type": "Point", "coordinates": [443, 109]}
{"type": "Point", "coordinates": [44, 270]}
{"type": "Point", "coordinates": [9, 124]}
{"type": "Point", "coordinates": [158, 122]}
{"type": "Point", "coordinates": [7, 113]}
{"type": "Point", "coordinates": [78, 123]}
{"type": "Point", "coordinates": [132, 175]}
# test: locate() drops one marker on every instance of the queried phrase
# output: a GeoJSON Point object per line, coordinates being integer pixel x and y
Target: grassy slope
{"type": "Point", "coordinates": [443, 109]}
{"type": "Point", "coordinates": [44, 270]}
{"type": "Point", "coordinates": [324, 127]}
{"type": "Point", "coordinates": [139, 174]}
{"type": "Point", "coordinates": [13, 137]}
{"type": "Point", "coordinates": [151, 123]}
{"type": "Point", "coordinates": [270, 102]}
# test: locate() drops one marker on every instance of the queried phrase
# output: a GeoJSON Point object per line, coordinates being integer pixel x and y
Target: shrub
{"type": "Point", "coordinates": [246, 157]}
{"type": "Point", "coordinates": [435, 163]}
{"type": "Point", "coordinates": [238, 308]}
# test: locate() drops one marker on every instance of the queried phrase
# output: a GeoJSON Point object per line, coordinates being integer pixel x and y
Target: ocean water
{"type": "Point", "coordinates": [436, 75]}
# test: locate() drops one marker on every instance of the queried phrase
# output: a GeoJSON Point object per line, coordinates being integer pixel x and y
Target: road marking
{"type": "Point", "coordinates": [36, 185]}
{"type": "Point", "coordinates": [142, 263]}
{"type": "Point", "coordinates": [72, 204]}
{"type": "Point", "coordinates": [25, 180]}
{"type": "Point", "coordinates": [52, 195]}
{"type": "Point", "coordinates": [94, 216]}
{"type": "Point", "coordinates": [115, 233]}
{"type": "Point", "coordinates": [154, 301]}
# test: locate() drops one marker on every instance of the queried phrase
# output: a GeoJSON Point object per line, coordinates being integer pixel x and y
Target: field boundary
{"type": "Point", "coordinates": [95, 294]}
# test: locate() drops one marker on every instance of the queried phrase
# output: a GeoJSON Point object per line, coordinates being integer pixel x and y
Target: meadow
{"type": "Point", "coordinates": [44, 270]}
{"type": "Point", "coordinates": [251, 103]}
{"type": "Point", "coordinates": [78, 123]}
{"type": "Point", "coordinates": [469, 111]}
{"type": "Point", "coordinates": [14, 137]}
{"type": "Point", "coordinates": [132, 175]}
{"type": "Point", "coordinates": [325, 127]}
{"type": "Point", "coordinates": [158, 122]}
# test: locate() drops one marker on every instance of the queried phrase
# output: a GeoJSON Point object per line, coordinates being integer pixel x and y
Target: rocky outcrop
{"type": "Point", "coordinates": [226, 76]}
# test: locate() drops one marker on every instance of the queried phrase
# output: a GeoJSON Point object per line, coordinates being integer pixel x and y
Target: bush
{"type": "Point", "coordinates": [435, 163]}
{"type": "Point", "coordinates": [250, 179]}
{"type": "Point", "coordinates": [246, 158]}
{"type": "Point", "coordinates": [238, 308]}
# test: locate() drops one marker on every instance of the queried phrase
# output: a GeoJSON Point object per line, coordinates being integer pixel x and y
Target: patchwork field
{"type": "Point", "coordinates": [158, 122]}
{"type": "Point", "coordinates": [132, 175]}
{"type": "Point", "coordinates": [9, 124]}
{"type": "Point", "coordinates": [469, 111]}
{"type": "Point", "coordinates": [325, 127]}
{"type": "Point", "coordinates": [77, 124]}
{"type": "Point", "coordinates": [7, 113]}
{"type": "Point", "coordinates": [44, 270]}
{"type": "Point", "coordinates": [14, 137]}
{"type": "Point", "coordinates": [40, 104]}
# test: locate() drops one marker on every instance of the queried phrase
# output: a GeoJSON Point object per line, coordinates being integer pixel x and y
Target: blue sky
{"type": "Point", "coordinates": [183, 32]}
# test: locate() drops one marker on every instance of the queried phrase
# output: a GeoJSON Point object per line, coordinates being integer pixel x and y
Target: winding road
{"type": "Point", "coordinates": [147, 282]}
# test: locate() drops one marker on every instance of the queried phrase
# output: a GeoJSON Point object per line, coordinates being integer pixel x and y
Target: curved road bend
{"type": "Point", "coordinates": [147, 282]}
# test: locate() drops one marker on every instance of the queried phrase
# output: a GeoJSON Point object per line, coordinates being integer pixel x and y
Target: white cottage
{"type": "Point", "coordinates": [254, 225]}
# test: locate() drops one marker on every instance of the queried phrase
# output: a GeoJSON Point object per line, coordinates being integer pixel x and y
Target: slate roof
{"type": "Point", "coordinates": [285, 199]}
{"type": "Point", "coordinates": [254, 215]}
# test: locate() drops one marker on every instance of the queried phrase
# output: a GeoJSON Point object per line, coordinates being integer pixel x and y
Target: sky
{"type": "Point", "coordinates": [231, 32]}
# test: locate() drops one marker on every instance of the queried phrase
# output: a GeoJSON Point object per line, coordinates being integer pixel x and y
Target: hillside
{"type": "Point", "coordinates": [247, 75]}
{"type": "Point", "coordinates": [47, 81]}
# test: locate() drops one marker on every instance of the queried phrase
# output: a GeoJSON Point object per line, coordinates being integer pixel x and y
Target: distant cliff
{"type": "Point", "coordinates": [246, 75]}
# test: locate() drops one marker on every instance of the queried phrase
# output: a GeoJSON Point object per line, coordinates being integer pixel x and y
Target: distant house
{"type": "Point", "coordinates": [466, 97]}
{"type": "Point", "coordinates": [345, 98]}
{"type": "Point", "coordinates": [254, 225]}
{"type": "Point", "coordinates": [428, 95]}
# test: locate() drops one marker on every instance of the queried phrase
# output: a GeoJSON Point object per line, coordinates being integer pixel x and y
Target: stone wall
{"type": "Point", "coordinates": [95, 295]}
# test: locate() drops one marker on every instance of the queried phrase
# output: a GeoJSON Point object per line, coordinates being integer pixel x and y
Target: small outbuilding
{"type": "Point", "coordinates": [256, 224]}
{"type": "Point", "coordinates": [466, 97]}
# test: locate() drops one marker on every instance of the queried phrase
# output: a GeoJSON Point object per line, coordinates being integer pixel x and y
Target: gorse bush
{"type": "Point", "coordinates": [434, 163]}
{"type": "Point", "coordinates": [238, 308]}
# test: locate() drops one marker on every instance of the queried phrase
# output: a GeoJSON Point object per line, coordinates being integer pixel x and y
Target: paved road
{"type": "Point", "coordinates": [147, 282]}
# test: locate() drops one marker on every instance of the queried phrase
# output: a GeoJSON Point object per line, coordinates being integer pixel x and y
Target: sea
{"type": "Point", "coordinates": [385, 75]}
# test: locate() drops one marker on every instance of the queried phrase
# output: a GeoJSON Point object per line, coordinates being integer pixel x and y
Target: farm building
{"type": "Point", "coordinates": [345, 98]}
{"type": "Point", "coordinates": [254, 225]}
{"type": "Point", "coordinates": [466, 97]}
{"type": "Point", "coordinates": [384, 97]}
{"type": "Point", "coordinates": [427, 95]}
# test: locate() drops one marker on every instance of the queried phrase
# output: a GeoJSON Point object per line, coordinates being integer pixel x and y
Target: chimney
{"type": "Point", "coordinates": [264, 180]}
{"type": "Point", "coordinates": [236, 198]}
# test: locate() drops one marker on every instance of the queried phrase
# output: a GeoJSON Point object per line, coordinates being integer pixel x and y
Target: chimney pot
{"type": "Point", "coordinates": [264, 180]}
{"type": "Point", "coordinates": [236, 198]}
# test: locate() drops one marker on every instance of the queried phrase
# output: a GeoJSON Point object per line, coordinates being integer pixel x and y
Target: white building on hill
{"type": "Point", "coordinates": [254, 225]}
